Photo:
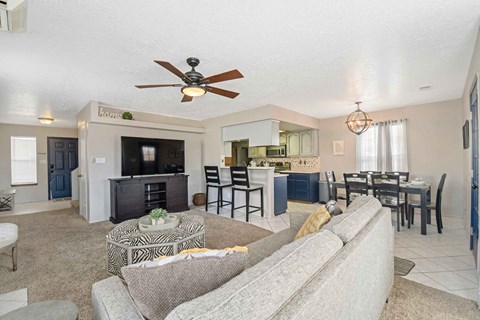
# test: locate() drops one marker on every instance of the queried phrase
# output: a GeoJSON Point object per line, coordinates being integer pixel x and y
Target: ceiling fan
{"type": "Point", "coordinates": [195, 83]}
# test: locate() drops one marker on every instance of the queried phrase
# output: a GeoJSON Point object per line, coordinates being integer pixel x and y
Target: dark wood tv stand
{"type": "Point", "coordinates": [134, 197]}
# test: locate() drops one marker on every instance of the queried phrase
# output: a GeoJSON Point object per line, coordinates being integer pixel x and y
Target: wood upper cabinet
{"type": "Point", "coordinates": [303, 144]}
{"type": "Point", "coordinates": [307, 143]}
{"type": "Point", "coordinates": [283, 138]}
{"type": "Point", "coordinates": [293, 144]}
{"type": "Point", "coordinates": [252, 152]}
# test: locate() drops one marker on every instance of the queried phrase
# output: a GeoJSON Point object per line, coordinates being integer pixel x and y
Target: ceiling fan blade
{"type": "Point", "coordinates": [172, 69]}
{"type": "Point", "coordinates": [225, 93]}
{"type": "Point", "coordinates": [187, 98]}
{"type": "Point", "coordinates": [145, 86]}
{"type": "Point", "coordinates": [229, 75]}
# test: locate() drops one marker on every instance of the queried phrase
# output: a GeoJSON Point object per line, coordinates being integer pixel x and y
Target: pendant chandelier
{"type": "Point", "coordinates": [358, 121]}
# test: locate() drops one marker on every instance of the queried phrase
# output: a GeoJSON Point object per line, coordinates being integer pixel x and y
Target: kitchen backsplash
{"type": "Point", "coordinates": [296, 163]}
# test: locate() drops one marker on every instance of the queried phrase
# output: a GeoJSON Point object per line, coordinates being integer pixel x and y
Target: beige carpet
{"type": "Point", "coordinates": [60, 256]}
{"type": "Point", "coordinates": [410, 300]}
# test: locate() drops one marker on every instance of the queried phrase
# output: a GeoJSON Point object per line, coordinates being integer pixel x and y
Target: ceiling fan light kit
{"type": "Point", "coordinates": [196, 84]}
{"type": "Point", "coordinates": [358, 121]}
{"type": "Point", "coordinates": [193, 90]}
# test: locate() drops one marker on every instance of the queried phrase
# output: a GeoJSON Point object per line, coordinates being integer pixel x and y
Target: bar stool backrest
{"type": "Point", "coordinates": [239, 176]}
{"type": "Point", "coordinates": [212, 175]}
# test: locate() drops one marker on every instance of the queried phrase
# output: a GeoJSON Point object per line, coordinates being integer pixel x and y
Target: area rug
{"type": "Point", "coordinates": [60, 255]}
{"type": "Point", "coordinates": [410, 300]}
{"type": "Point", "coordinates": [402, 266]}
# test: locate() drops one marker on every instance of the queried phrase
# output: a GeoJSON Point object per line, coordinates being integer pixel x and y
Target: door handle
{"type": "Point", "coordinates": [474, 186]}
{"type": "Point", "coordinates": [79, 176]}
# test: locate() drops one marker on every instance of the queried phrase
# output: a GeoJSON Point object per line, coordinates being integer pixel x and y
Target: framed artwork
{"type": "Point", "coordinates": [338, 148]}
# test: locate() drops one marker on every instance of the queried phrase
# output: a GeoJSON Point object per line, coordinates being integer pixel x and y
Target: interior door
{"type": "Point", "coordinates": [62, 159]}
{"type": "Point", "coordinates": [474, 187]}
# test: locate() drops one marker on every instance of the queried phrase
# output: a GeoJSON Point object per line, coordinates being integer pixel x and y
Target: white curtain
{"type": "Point", "coordinates": [383, 147]}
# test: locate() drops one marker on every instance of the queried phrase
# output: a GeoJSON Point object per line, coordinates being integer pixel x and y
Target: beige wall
{"type": "Point", "coordinates": [434, 146]}
{"type": "Point", "coordinates": [473, 72]}
{"type": "Point", "coordinates": [38, 192]}
{"type": "Point", "coordinates": [213, 137]}
{"type": "Point", "coordinates": [104, 141]}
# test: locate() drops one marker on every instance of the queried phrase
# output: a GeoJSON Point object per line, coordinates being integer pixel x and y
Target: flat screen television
{"type": "Point", "coordinates": [146, 156]}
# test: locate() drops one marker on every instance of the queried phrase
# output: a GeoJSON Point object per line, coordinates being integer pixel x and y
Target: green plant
{"type": "Point", "coordinates": [127, 116]}
{"type": "Point", "coordinates": [158, 213]}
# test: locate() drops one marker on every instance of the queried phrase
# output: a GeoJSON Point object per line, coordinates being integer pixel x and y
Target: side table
{"type": "Point", "coordinates": [126, 244]}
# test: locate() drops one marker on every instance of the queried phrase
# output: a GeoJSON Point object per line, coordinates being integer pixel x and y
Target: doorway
{"type": "Point", "coordinates": [475, 171]}
{"type": "Point", "coordinates": [62, 160]}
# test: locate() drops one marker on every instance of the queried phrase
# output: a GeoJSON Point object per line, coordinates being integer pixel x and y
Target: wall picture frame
{"type": "Point", "coordinates": [338, 148]}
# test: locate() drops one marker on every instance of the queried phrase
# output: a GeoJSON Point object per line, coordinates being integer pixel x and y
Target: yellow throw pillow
{"type": "Point", "coordinates": [314, 222]}
{"type": "Point", "coordinates": [194, 250]}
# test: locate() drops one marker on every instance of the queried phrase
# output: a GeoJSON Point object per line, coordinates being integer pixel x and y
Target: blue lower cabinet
{"type": "Point", "coordinates": [303, 186]}
{"type": "Point", "coordinates": [280, 192]}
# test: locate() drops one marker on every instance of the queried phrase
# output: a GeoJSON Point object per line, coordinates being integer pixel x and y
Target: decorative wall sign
{"type": "Point", "coordinates": [338, 148]}
{"type": "Point", "coordinates": [109, 113]}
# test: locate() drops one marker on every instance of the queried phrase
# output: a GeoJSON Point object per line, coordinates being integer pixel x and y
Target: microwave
{"type": "Point", "coordinates": [277, 151]}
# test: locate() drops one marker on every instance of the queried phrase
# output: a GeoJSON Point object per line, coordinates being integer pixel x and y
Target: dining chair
{"type": "Point", "coordinates": [330, 175]}
{"type": "Point", "coordinates": [404, 176]}
{"type": "Point", "coordinates": [356, 184]}
{"type": "Point", "coordinates": [241, 183]}
{"type": "Point", "coordinates": [212, 178]}
{"type": "Point", "coordinates": [437, 206]}
{"type": "Point", "coordinates": [386, 188]}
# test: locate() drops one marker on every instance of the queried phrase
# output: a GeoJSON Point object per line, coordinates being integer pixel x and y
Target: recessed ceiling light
{"type": "Point", "coordinates": [424, 88]}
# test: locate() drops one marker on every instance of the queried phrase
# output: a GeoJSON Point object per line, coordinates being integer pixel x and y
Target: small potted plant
{"type": "Point", "coordinates": [127, 116]}
{"type": "Point", "coordinates": [157, 216]}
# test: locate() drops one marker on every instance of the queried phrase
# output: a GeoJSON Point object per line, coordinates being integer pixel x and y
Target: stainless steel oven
{"type": "Point", "coordinates": [277, 152]}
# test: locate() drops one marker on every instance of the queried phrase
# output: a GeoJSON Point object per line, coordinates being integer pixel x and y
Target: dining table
{"type": "Point", "coordinates": [422, 189]}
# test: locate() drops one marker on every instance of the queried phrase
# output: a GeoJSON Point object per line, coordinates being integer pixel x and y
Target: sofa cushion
{"type": "Point", "coordinates": [265, 247]}
{"type": "Point", "coordinates": [259, 292]}
{"type": "Point", "coordinates": [314, 222]}
{"type": "Point", "coordinates": [157, 287]}
{"type": "Point", "coordinates": [346, 226]}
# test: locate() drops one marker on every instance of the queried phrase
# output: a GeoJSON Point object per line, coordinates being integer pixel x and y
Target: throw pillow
{"type": "Point", "coordinates": [314, 222]}
{"type": "Point", "coordinates": [158, 286]}
{"type": "Point", "coordinates": [333, 208]}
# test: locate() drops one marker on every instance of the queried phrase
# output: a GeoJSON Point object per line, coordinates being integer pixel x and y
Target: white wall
{"type": "Point", "coordinates": [104, 141]}
{"type": "Point", "coordinates": [434, 147]}
{"type": "Point", "coordinates": [38, 192]}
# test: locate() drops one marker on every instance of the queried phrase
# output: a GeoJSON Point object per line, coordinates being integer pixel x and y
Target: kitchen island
{"type": "Point", "coordinates": [257, 175]}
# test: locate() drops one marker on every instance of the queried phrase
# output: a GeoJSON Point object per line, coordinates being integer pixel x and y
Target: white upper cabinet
{"type": "Point", "coordinates": [283, 138]}
{"type": "Point", "coordinates": [303, 144]}
{"type": "Point", "coordinates": [258, 133]}
{"type": "Point", "coordinates": [293, 144]}
{"type": "Point", "coordinates": [257, 152]}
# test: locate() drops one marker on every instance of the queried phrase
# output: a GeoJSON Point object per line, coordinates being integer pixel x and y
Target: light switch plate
{"type": "Point", "coordinates": [99, 160]}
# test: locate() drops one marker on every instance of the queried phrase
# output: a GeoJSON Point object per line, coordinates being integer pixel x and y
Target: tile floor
{"type": "Point", "coordinates": [442, 261]}
{"type": "Point", "coordinates": [38, 206]}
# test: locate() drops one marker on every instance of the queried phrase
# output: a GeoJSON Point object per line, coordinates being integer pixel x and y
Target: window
{"type": "Point", "coordinates": [148, 153]}
{"type": "Point", "coordinates": [383, 147]}
{"type": "Point", "coordinates": [24, 160]}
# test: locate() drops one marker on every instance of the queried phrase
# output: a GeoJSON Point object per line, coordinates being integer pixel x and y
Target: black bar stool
{"type": "Point", "coordinates": [212, 177]}
{"type": "Point", "coordinates": [241, 183]}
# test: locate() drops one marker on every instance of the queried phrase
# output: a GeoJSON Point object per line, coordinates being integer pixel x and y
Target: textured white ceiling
{"type": "Point", "coordinates": [314, 57]}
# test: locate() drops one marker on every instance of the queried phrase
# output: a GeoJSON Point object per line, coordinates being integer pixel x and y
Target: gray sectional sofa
{"type": "Point", "coordinates": [344, 271]}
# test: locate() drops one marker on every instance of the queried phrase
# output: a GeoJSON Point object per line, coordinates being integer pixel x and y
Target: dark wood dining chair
{"type": "Point", "coordinates": [330, 175]}
{"type": "Point", "coordinates": [356, 184]}
{"type": "Point", "coordinates": [241, 183]}
{"type": "Point", "coordinates": [404, 176]}
{"type": "Point", "coordinates": [437, 206]}
{"type": "Point", "coordinates": [212, 177]}
{"type": "Point", "coordinates": [386, 188]}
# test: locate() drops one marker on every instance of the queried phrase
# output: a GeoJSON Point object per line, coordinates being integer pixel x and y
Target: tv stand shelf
{"type": "Point", "coordinates": [134, 197]}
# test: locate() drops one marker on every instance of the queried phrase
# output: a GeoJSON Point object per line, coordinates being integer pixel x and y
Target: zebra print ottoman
{"type": "Point", "coordinates": [126, 244]}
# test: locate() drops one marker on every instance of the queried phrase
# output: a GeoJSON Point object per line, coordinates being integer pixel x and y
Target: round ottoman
{"type": "Point", "coordinates": [126, 244]}
{"type": "Point", "coordinates": [47, 310]}
{"type": "Point", "coordinates": [8, 240]}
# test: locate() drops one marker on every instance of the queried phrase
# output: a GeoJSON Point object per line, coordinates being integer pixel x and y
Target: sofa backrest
{"type": "Point", "coordinates": [360, 212]}
{"type": "Point", "coordinates": [259, 292]}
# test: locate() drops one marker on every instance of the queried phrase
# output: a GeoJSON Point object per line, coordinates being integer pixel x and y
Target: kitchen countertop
{"type": "Point", "coordinates": [279, 175]}
{"type": "Point", "coordinates": [300, 171]}
{"type": "Point", "coordinates": [254, 168]}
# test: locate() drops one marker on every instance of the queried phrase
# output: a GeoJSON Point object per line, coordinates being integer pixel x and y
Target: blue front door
{"type": "Point", "coordinates": [62, 159]}
{"type": "Point", "coordinates": [474, 186]}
